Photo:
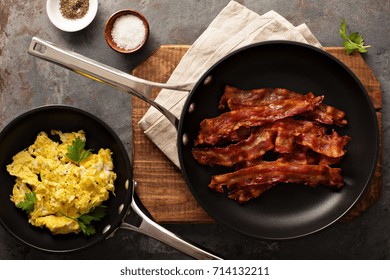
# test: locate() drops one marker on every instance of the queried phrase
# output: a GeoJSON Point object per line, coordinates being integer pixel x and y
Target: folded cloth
{"type": "Point", "coordinates": [234, 27]}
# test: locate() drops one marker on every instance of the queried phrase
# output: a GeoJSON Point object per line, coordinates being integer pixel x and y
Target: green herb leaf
{"type": "Point", "coordinates": [94, 214]}
{"type": "Point", "coordinates": [76, 152]}
{"type": "Point", "coordinates": [98, 212]}
{"type": "Point", "coordinates": [84, 220]}
{"type": "Point", "coordinates": [28, 204]}
{"type": "Point", "coordinates": [353, 42]}
{"type": "Point", "coordinates": [88, 230]}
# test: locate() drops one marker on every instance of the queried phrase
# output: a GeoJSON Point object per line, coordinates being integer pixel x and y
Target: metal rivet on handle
{"type": "Point", "coordinates": [120, 208]}
{"type": "Point", "coordinates": [208, 80]}
{"type": "Point", "coordinates": [127, 184]}
{"type": "Point", "coordinates": [192, 108]}
{"type": "Point", "coordinates": [185, 139]}
{"type": "Point", "coordinates": [106, 228]}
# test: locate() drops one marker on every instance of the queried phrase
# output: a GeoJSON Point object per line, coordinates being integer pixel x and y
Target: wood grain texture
{"type": "Point", "coordinates": [161, 187]}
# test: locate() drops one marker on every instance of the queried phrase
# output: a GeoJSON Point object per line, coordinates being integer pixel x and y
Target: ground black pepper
{"type": "Point", "coordinates": [74, 9]}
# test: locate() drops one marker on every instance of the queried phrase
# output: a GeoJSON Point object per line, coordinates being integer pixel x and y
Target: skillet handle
{"type": "Point", "coordinates": [154, 230]}
{"type": "Point", "coordinates": [105, 74]}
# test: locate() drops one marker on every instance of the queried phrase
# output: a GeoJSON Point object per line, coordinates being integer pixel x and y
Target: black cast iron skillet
{"type": "Point", "coordinates": [288, 210]}
{"type": "Point", "coordinates": [21, 133]}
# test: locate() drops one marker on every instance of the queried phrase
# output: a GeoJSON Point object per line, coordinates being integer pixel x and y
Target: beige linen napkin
{"type": "Point", "coordinates": [234, 27]}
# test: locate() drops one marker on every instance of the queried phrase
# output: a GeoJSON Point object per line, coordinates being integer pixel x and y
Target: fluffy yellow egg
{"type": "Point", "coordinates": [64, 190]}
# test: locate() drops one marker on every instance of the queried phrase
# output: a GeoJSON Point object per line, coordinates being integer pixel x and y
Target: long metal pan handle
{"type": "Point", "coordinates": [154, 230]}
{"type": "Point", "coordinates": [105, 74]}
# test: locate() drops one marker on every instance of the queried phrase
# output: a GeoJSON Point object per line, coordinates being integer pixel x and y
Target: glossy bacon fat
{"type": "Point", "coordinates": [235, 98]}
{"type": "Point", "coordinates": [264, 175]}
{"type": "Point", "coordinates": [291, 127]}
{"type": "Point", "coordinates": [224, 127]}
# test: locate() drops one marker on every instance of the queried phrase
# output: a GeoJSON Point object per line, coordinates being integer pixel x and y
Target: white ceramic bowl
{"type": "Point", "coordinates": [70, 25]}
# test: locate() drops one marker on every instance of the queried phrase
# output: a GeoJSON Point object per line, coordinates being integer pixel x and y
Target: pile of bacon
{"type": "Point", "coordinates": [291, 127]}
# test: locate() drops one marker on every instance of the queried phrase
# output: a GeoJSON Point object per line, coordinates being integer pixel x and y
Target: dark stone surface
{"type": "Point", "coordinates": [26, 82]}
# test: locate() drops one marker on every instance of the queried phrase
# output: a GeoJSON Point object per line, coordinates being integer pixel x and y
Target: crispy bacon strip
{"type": "Point", "coordinates": [248, 163]}
{"type": "Point", "coordinates": [300, 155]}
{"type": "Point", "coordinates": [327, 115]}
{"type": "Point", "coordinates": [304, 155]}
{"type": "Point", "coordinates": [295, 140]}
{"type": "Point", "coordinates": [253, 147]}
{"type": "Point", "coordinates": [269, 173]}
{"type": "Point", "coordinates": [309, 134]}
{"type": "Point", "coordinates": [235, 99]}
{"type": "Point", "coordinates": [261, 120]}
{"type": "Point", "coordinates": [330, 145]}
{"type": "Point", "coordinates": [223, 127]}
{"type": "Point", "coordinates": [242, 195]}
{"type": "Point", "coordinates": [286, 131]}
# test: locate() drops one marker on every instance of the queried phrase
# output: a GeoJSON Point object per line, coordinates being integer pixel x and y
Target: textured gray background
{"type": "Point", "coordinates": [26, 82]}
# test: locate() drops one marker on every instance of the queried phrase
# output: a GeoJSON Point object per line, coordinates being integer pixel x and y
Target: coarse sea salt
{"type": "Point", "coordinates": [128, 32]}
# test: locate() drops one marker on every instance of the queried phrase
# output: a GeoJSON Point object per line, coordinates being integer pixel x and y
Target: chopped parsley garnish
{"type": "Point", "coordinates": [28, 204]}
{"type": "Point", "coordinates": [85, 220]}
{"type": "Point", "coordinates": [76, 152]}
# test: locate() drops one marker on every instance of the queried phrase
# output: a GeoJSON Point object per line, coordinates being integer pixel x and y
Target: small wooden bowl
{"type": "Point", "coordinates": [109, 26]}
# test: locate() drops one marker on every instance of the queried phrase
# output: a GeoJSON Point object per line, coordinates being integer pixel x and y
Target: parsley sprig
{"type": "Point", "coordinates": [76, 152]}
{"type": "Point", "coordinates": [85, 220]}
{"type": "Point", "coordinates": [353, 42]}
{"type": "Point", "coordinates": [28, 204]}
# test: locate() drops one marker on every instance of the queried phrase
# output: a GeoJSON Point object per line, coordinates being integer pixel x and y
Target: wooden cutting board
{"type": "Point", "coordinates": [161, 187]}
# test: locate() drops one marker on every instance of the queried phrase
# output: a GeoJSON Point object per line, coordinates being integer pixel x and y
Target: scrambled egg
{"type": "Point", "coordinates": [62, 187]}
